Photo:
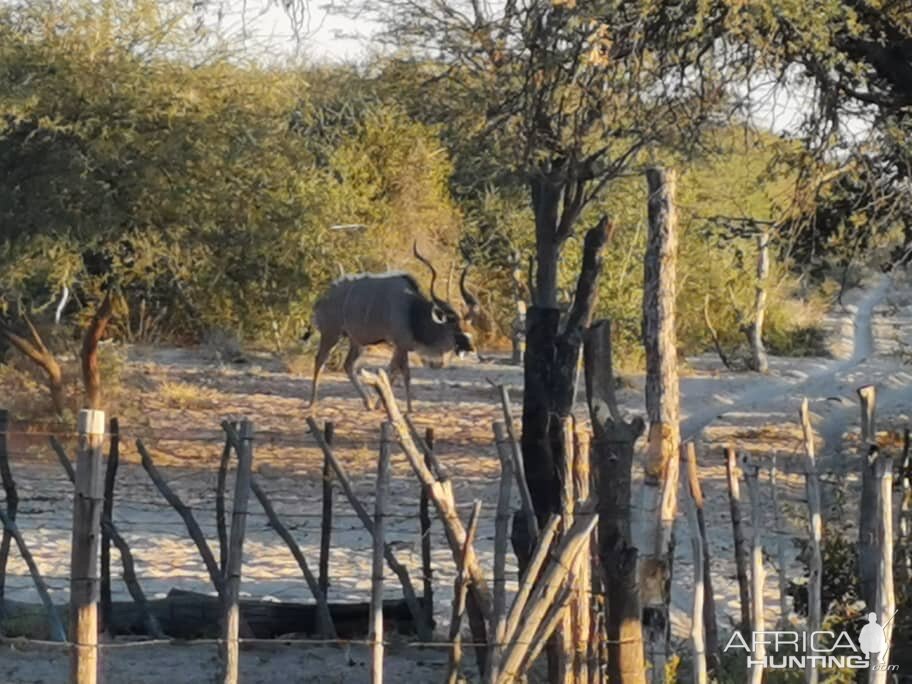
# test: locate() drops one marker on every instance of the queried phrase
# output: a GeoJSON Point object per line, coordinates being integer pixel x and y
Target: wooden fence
{"type": "Point", "coordinates": [574, 599]}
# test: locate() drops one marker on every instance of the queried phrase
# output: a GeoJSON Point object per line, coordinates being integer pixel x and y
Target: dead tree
{"type": "Point", "coordinates": [660, 483]}
{"type": "Point", "coordinates": [612, 450]}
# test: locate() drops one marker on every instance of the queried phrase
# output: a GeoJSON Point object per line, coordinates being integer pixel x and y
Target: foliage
{"type": "Point", "coordinates": [183, 177]}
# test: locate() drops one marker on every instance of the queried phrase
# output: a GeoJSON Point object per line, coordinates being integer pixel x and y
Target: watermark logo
{"type": "Point", "coordinates": [786, 650]}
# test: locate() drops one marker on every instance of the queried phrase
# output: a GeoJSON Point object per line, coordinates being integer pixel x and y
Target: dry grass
{"type": "Point", "coordinates": [187, 396]}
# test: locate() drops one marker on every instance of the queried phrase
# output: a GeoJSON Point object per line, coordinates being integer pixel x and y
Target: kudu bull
{"type": "Point", "coordinates": [373, 308]}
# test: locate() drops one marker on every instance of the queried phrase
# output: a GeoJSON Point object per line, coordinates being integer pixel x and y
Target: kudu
{"type": "Point", "coordinates": [373, 308]}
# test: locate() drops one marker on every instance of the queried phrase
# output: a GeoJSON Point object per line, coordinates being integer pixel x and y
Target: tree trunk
{"type": "Point", "coordinates": [91, 375]}
{"type": "Point", "coordinates": [759, 361]}
{"type": "Point", "coordinates": [662, 406]}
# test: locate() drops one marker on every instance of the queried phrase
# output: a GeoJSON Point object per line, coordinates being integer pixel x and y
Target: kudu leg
{"type": "Point", "coordinates": [327, 342]}
{"type": "Point", "coordinates": [399, 365]}
{"type": "Point", "coordinates": [351, 368]}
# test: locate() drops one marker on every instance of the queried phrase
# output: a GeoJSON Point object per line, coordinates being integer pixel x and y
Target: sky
{"type": "Point", "coordinates": [330, 38]}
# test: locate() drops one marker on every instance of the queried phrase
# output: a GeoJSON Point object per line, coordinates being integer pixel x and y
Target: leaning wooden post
{"type": "Point", "coordinates": [107, 516]}
{"type": "Point", "coordinates": [376, 606]}
{"type": "Point", "coordinates": [408, 590]}
{"type": "Point", "coordinates": [326, 518]}
{"type": "Point", "coordinates": [84, 585]}
{"type": "Point", "coordinates": [424, 514]}
{"type": "Point", "coordinates": [499, 616]}
{"type": "Point", "coordinates": [815, 528]}
{"type": "Point", "coordinates": [12, 499]}
{"type": "Point", "coordinates": [660, 483]}
{"type": "Point", "coordinates": [886, 600]}
{"type": "Point", "coordinates": [697, 630]}
{"type": "Point", "coordinates": [231, 604]}
{"type": "Point", "coordinates": [741, 553]}
{"type": "Point", "coordinates": [709, 602]}
{"type": "Point", "coordinates": [867, 526]}
{"type": "Point", "coordinates": [460, 595]}
{"type": "Point", "coordinates": [758, 575]}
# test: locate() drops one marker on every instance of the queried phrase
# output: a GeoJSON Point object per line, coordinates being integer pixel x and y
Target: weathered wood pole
{"type": "Point", "coordinates": [741, 553]}
{"type": "Point", "coordinates": [781, 536]}
{"type": "Point", "coordinates": [663, 410]}
{"type": "Point", "coordinates": [109, 531]}
{"type": "Point", "coordinates": [905, 508]}
{"type": "Point", "coordinates": [886, 599]}
{"type": "Point", "coordinates": [815, 530]}
{"type": "Point", "coordinates": [380, 510]}
{"type": "Point", "coordinates": [326, 518]}
{"type": "Point", "coordinates": [480, 601]}
{"type": "Point", "coordinates": [710, 626]}
{"type": "Point", "coordinates": [499, 612]}
{"type": "Point", "coordinates": [221, 522]}
{"type": "Point", "coordinates": [231, 607]}
{"type": "Point", "coordinates": [759, 360]}
{"type": "Point", "coordinates": [582, 599]}
{"type": "Point", "coordinates": [193, 528]}
{"type": "Point", "coordinates": [867, 525]}
{"type": "Point", "coordinates": [12, 499]}
{"type": "Point", "coordinates": [545, 596]}
{"type": "Point", "coordinates": [424, 515]}
{"type": "Point", "coordinates": [613, 451]}
{"type": "Point", "coordinates": [562, 647]}
{"type": "Point", "coordinates": [408, 590]}
{"type": "Point", "coordinates": [758, 574]}
{"type": "Point", "coordinates": [697, 630]}
{"type": "Point", "coordinates": [84, 584]}
{"type": "Point", "coordinates": [460, 594]}
{"type": "Point", "coordinates": [525, 498]}
{"type": "Point", "coordinates": [107, 516]}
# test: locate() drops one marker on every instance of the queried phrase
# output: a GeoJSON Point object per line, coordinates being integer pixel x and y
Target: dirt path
{"type": "Point", "coordinates": [181, 396]}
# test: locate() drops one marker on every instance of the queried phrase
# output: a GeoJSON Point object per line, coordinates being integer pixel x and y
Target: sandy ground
{"type": "Point", "coordinates": [757, 413]}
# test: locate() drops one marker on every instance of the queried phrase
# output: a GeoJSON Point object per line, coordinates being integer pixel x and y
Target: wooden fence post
{"type": "Point", "coordinates": [582, 599]}
{"type": "Point", "coordinates": [12, 500]}
{"type": "Point", "coordinates": [867, 525]}
{"type": "Point", "coordinates": [663, 409]}
{"type": "Point", "coordinates": [221, 525]}
{"type": "Point", "coordinates": [460, 595]}
{"type": "Point", "coordinates": [779, 527]}
{"type": "Point", "coordinates": [424, 513]}
{"type": "Point", "coordinates": [741, 554]}
{"type": "Point", "coordinates": [326, 519]}
{"type": "Point", "coordinates": [84, 585]}
{"type": "Point", "coordinates": [905, 508]}
{"type": "Point", "coordinates": [380, 510]}
{"type": "Point", "coordinates": [709, 602]}
{"type": "Point", "coordinates": [815, 528]}
{"type": "Point", "coordinates": [758, 574]}
{"type": "Point", "coordinates": [231, 606]}
{"type": "Point", "coordinates": [107, 516]}
{"type": "Point", "coordinates": [408, 590]}
{"type": "Point", "coordinates": [886, 600]}
{"type": "Point", "coordinates": [499, 616]}
{"type": "Point", "coordinates": [697, 630]}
